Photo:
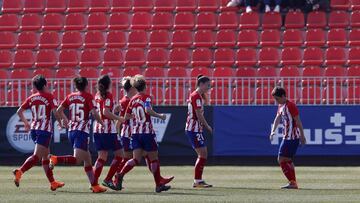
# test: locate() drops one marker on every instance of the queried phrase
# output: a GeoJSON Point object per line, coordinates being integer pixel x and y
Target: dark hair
{"type": "Point", "coordinates": [202, 79]}
{"type": "Point", "coordinates": [278, 92]}
{"type": "Point", "coordinates": [80, 83]}
{"type": "Point", "coordinates": [103, 85]}
{"type": "Point", "coordinates": [139, 82]}
{"type": "Point", "coordinates": [126, 84]}
{"type": "Point", "coordinates": [39, 82]}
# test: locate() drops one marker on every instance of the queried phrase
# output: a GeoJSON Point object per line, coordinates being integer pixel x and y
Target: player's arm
{"type": "Point", "coordinates": [96, 115]}
{"type": "Point", "coordinates": [112, 116]}
{"type": "Point", "coordinates": [57, 117]}
{"type": "Point", "coordinates": [301, 128]}
{"type": "Point", "coordinates": [117, 109]}
{"type": "Point", "coordinates": [275, 125]}
{"type": "Point", "coordinates": [60, 112]}
{"type": "Point", "coordinates": [153, 113]}
{"type": "Point", "coordinates": [200, 116]}
{"type": "Point", "coordinates": [20, 112]}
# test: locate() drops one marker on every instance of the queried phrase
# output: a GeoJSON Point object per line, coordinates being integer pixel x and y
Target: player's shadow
{"type": "Point", "coordinates": [279, 189]}
{"type": "Point", "coordinates": [170, 192]}
{"type": "Point", "coordinates": [246, 188]}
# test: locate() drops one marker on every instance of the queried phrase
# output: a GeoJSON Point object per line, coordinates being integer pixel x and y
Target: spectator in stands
{"type": "Point", "coordinates": [294, 4]}
{"type": "Point", "coordinates": [246, 3]}
{"type": "Point", "coordinates": [313, 5]}
{"type": "Point", "coordinates": [267, 5]}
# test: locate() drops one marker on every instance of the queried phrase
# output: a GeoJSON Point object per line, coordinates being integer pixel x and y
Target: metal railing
{"type": "Point", "coordinates": [224, 91]}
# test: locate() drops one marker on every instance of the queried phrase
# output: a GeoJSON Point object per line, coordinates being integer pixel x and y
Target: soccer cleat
{"type": "Point", "coordinates": [118, 182]}
{"type": "Point", "coordinates": [291, 185]}
{"type": "Point", "coordinates": [53, 161]}
{"type": "Point", "coordinates": [166, 180]}
{"type": "Point", "coordinates": [17, 177]}
{"type": "Point", "coordinates": [162, 188]}
{"type": "Point", "coordinates": [56, 184]}
{"type": "Point", "coordinates": [98, 189]}
{"type": "Point", "coordinates": [201, 184]}
{"type": "Point", "coordinates": [109, 184]}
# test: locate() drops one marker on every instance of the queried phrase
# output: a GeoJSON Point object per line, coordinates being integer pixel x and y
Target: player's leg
{"type": "Point", "coordinates": [128, 153]}
{"type": "Point", "coordinates": [163, 180]}
{"type": "Point", "coordinates": [129, 165]}
{"type": "Point", "coordinates": [102, 154]}
{"type": "Point", "coordinates": [287, 151]}
{"type": "Point", "coordinates": [54, 185]}
{"type": "Point", "coordinates": [116, 147]}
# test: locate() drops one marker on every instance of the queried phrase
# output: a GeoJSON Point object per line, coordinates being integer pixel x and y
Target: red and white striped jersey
{"type": "Point", "coordinates": [288, 112]}
{"type": "Point", "coordinates": [79, 104]}
{"type": "Point", "coordinates": [137, 105]}
{"type": "Point", "coordinates": [109, 124]}
{"type": "Point", "coordinates": [41, 105]}
{"type": "Point", "coordinates": [127, 125]}
{"type": "Point", "coordinates": [195, 102]}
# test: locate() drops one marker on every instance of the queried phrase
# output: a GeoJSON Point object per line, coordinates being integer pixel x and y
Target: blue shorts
{"type": "Point", "coordinates": [196, 139]}
{"type": "Point", "coordinates": [41, 137]}
{"type": "Point", "coordinates": [288, 148]}
{"type": "Point", "coordinates": [126, 142]}
{"type": "Point", "coordinates": [107, 141]}
{"type": "Point", "coordinates": [147, 142]}
{"type": "Point", "coordinates": [79, 139]}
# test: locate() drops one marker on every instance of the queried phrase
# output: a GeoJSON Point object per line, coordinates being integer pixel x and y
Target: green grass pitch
{"type": "Point", "coordinates": [231, 184]}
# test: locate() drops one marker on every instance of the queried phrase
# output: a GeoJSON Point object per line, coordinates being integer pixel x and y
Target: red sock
{"type": "Point", "coordinates": [292, 169]}
{"type": "Point", "coordinates": [90, 174]}
{"type": "Point", "coordinates": [148, 162]}
{"type": "Point", "coordinates": [99, 165]}
{"type": "Point", "coordinates": [128, 166]}
{"type": "Point", "coordinates": [288, 170]}
{"type": "Point", "coordinates": [199, 168]}
{"type": "Point", "coordinates": [67, 159]}
{"type": "Point", "coordinates": [122, 164]}
{"type": "Point", "coordinates": [29, 163]}
{"type": "Point", "coordinates": [48, 172]}
{"type": "Point", "coordinates": [155, 169]}
{"type": "Point", "coordinates": [113, 167]}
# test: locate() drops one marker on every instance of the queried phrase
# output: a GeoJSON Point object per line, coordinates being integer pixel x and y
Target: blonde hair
{"type": "Point", "coordinates": [139, 82]}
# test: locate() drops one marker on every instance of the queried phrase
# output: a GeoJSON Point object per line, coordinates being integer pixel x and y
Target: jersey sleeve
{"type": "Point", "coordinates": [53, 102]}
{"type": "Point", "coordinates": [129, 108]}
{"type": "Point", "coordinates": [65, 103]}
{"type": "Point", "coordinates": [147, 104]}
{"type": "Point", "coordinates": [294, 111]}
{"type": "Point", "coordinates": [196, 102]}
{"type": "Point", "coordinates": [108, 102]}
{"type": "Point", "coordinates": [90, 101]}
{"type": "Point", "coordinates": [26, 104]}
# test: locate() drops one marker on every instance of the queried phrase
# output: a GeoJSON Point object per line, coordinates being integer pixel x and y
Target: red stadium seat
{"type": "Point", "coordinates": [164, 5]}
{"type": "Point", "coordinates": [72, 39]}
{"type": "Point", "coordinates": [355, 19]}
{"type": "Point", "coordinates": [15, 98]}
{"type": "Point", "coordinates": [354, 37]}
{"type": "Point", "coordinates": [201, 57]}
{"type": "Point", "coordinates": [208, 5]}
{"type": "Point", "coordinates": [12, 6]}
{"type": "Point", "coordinates": [311, 95]}
{"type": "Point", "coordinates": [91, 73]}
{"type": "Point", "coordinates": [77, 6]}
{"type": "Point", "coordinates": [206, 20]}
{"type": "Point", "coordinates": [335, 56]}
{"type": "Point", "coordinates": [5, 59]}
{"type": "Point", "coordinates": [222, 77]}
{"type": "Point", "coordinates": [99, 6]}
{"type": "Point", "coordinates": [292, 38]}
{"type": "Point", "coordinates": [333, 95]}
{"type": "Point", "coordinates": [355, 5]}
{"type": "Point", "coordinates": [247, 38]}
{"type": "Point", "coordinates": [20, 74]}
{"type": "Point", "coordinates": [113, 72]}
{"type": "Point", "coordinates": [119, 21]}
{"type": "Point", "coordinates": [246, 57]}
{"type": "Point", "coordinates": [157, 94]}
{"type": "Point", "coordinates": [154, 75]}
{"type": "Point", "coordinates": [7, 40]}
{"type": "Point", "coordinates": [290, 76]}
{"type": "Point", "coordinates": [313, 56]}
{"type": "Point", "coordinates": [31, 22]}
{"type": "Point", "coordinates": [249, 21]}
{"type": "Point", "coordinates": [23, 59]}
{"type": "Point", "coordinates": [53, 21]}
{"type": "Point", "coordinates": [27, 40]}
{"type": "Point", "coordinates": [340, 4]}
{"type": "Point", "coordinates": [353, 95]}
{"type": "Point", "coordinates": [353, 74]}
{"type": "Point", "coordinates": [159, 38]}
{"type": "Point", "coordinates": [46, 72]}
{"type": "Point", "coordinates": [339, 19]}
{"type": "Point", "coordinates": [294, 20]}
{"type": "Point", "coordinates": [137, 38]}
{"type": "Point", "coordinates": [315, 37]}
{"type": "Point", "coordinates": [68, 58]}
{"type": "Point", "coordinates": [182, 38]}
{"type": "Point", "coordinates": [46, 58]}
{"type": "Point", "coordinates": [291, 56]}
{"type": "Point", "coordinates": [97, 21]}
{"type": "Point", "coordinates": [267, 76]}
{"type": "Point", "coordinates": [176, 76]}
{"type": "Point", "coordinates": [354, 56]}
{"type": "Point", "coordinates": [61, 93]}
{"type": "Point", "coordinates": [131, 71]}
{"type": "Point", "coordinates": [316, 19]}
{"type": "Point", "coordinates": [268, 57]}
{"type": "Point", "coordinates": [121, 5]}
{"type": "Point", "coordinates": [185, 5]}
{"type": "Point", "coordinates": [162, 21]}
{"type": "Point", "coordinates": [263, 96]}
{"type": "Point", "coordinates": [141, 21]}
{"type": "Point", "coordinates": [90, 58]}
{"type": "Point", "coordinates": [134, 57]}
{"type": "Point", "coordinates": [200, 71]}
{"type": "Point", "coordinates": [65, 73]}
{"type": "Point", "coordinates": [94, 39]}
{"type": "Point", "coordinates": [184, 20]}
{"type": "Point", "coordinates": [55, 6]}
{"type": "Point", "coordinates": [157, 57]}
{"type": "Point", "coordinates": [224, 57]}
{"type": "Point", "coordinates": [34, 6]}
{"type": "Point", "coordinates": [179, 57]}
{"type": "Point", "coordinates": [271, 20]}
{"type": "Point", "coordinates": [337, 37]}
{"type": "Point", "coordinates": [334, 75]}
{"type": "Point", "coordinates": [227, 20]}
{"type": "Point", "coordinates": [246, 72]}
{"type": "Point", "coordinates": [175, 96]}
{"type": "Point", "coordinates": [225, 38]}
{"type": "Point", "coordinates": [270, 38]}
{"type": "Point", "coordinates": [204, 38]}
{"type": "Point", "coordinates": [113, 57]}
{"type": "Point", "coordinates": [242, 96]}
{"type": "Point", "coordinates": [312, 75]}
{"type": "Point", "coordinates": [142, 5]}
{"type": "Point", "coordinates": [9, 22]}
{"type": "Point", "coordinates": [219, 96]}
{"type": "Point", "coordinates": [115, 39]}
{"type": "Point", "coordinates": [74, 21]}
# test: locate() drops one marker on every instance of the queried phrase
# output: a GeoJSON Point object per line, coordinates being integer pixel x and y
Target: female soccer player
{"type": "Point", "coordinates": [80, 104]}
{"type": "Point", "coordinates": [105, 137]}
{"type": "Point", "coordinates": [293, 132]}
{"type": "Point", "coordinates": [143, 138]}
{"type": "Point", "coordinates": [42, 103]}
{"type": "Point", "coordinates": [194, 128]}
